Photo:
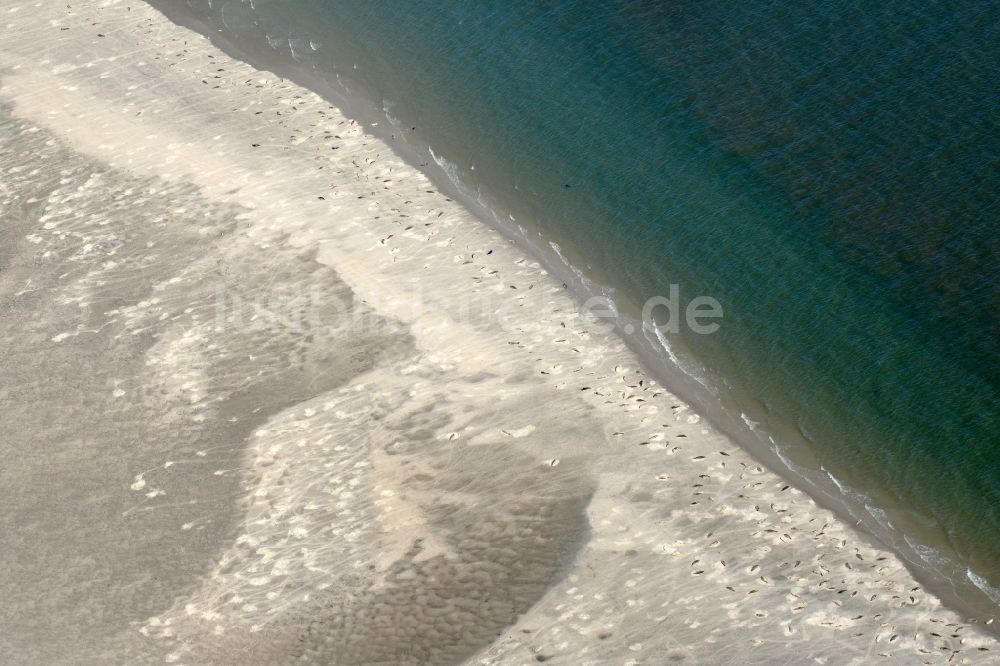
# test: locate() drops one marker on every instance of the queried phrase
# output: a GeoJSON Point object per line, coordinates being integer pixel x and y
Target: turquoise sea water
{"type": "Point", "coordinates": [828, 171]}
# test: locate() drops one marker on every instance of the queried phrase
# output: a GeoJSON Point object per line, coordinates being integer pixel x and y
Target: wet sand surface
{"type": "Point", "coordinates": [268, 397]}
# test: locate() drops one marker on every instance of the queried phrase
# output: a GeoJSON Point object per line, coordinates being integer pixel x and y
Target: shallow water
{"type": "Point", "coordinates": [827, 173]}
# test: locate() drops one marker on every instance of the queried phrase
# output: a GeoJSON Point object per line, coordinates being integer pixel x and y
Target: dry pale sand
{"type": "Point", "coordinates": [268, 397]}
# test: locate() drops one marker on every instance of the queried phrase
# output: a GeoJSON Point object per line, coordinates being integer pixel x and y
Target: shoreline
{"type": "Point", "coordinates": [595, 466]}
{"type": "Point", "coordinates": [823, 487]}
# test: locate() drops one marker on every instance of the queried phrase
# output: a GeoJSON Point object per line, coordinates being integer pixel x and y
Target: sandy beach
{"type": "Point", "coordinates": [268, 397]}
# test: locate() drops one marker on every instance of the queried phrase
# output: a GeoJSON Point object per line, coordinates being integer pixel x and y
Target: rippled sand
{"type": "Point", "coordinates": [269, 397]}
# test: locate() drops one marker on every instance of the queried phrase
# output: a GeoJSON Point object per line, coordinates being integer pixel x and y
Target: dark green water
{"type": "Point", "coordinates": [828, 171]}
